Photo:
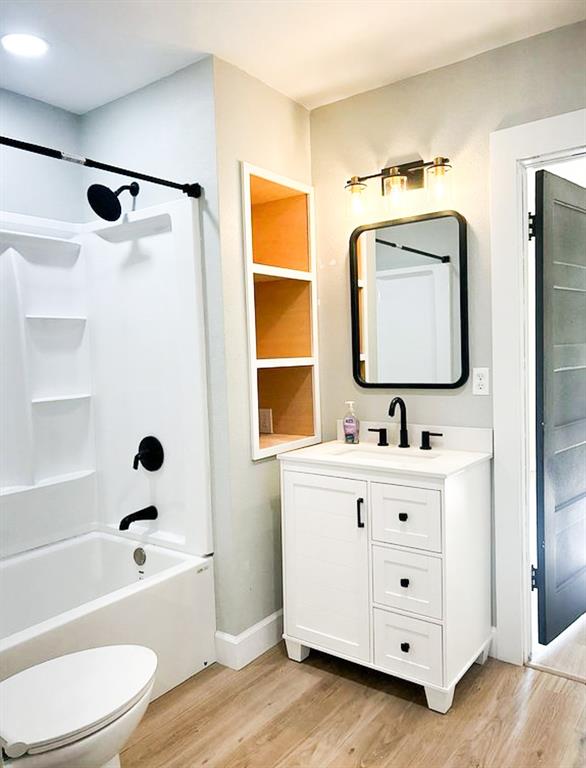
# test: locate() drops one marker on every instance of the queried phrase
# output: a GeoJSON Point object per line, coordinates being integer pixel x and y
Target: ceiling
{"type": "Point", "coordinates": [315, 51]}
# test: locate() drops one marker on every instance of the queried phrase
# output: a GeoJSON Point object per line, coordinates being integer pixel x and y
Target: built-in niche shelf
{"type": "Point", "coordinates": [48, 481]}
{"type": "Point", "coordinates": [60, 398]}
{"type": "Point", "coordinates": [281, 299]}
{"type": "Point", "coordinates": [35, 245]}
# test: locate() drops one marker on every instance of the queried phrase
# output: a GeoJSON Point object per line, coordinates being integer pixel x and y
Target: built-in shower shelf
{"type": "Point", "coordinates": [130, 229]}
{"type": "Point", "coordinates": [59, 318]}
{"type": "Point", "coordinates": [38, 244]}
{"type": "Point", "coordinates": [48, 481]}
{"type": "Point", "coordinates": [60, 398]}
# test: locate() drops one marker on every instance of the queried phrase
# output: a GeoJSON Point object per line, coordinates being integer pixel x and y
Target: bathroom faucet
{"type": "Point", "coordinates": [403, 434]}
{"type": "Point", "coordinates": [148, 513]}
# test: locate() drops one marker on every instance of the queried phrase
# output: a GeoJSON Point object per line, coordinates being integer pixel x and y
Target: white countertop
{"type": "Point", "coordinates": [438, 462]}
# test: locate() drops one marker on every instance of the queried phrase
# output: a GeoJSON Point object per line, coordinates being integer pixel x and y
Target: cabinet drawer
{"type": "Point", "coordinates": [408, 581]}
{"type": "Point", "coordinates": [408, 647]}
{"type": "Point", "coordinates": [410, 517]}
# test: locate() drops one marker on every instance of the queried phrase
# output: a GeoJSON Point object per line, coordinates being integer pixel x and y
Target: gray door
{"type": "Point", "coordinates": [561, 402]}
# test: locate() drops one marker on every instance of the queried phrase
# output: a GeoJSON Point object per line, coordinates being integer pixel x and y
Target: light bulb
{"type": "Point", "coordinates": [395, 186]}
{"type": "Point", "coordinates": [355, 190]}
{"type": "Point", "coordinates": [439, 179]}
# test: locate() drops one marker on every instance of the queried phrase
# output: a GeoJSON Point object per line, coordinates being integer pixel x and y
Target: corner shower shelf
{"type": "Point", "coordinates": [133, 229]}
{"type": "Point", "coordinates": [38, 244]}
{"type": "Point", "coordinates": [59, 318]}
{"type": "Point", "coordinates": [55, 480]}
{"type": "Point", "coordinates": [60, 398]}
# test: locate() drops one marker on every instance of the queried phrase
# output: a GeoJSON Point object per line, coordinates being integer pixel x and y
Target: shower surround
{"type": "Point", "coordinates": [102, 332]}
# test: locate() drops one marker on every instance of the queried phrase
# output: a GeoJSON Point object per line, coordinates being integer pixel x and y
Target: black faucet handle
{"type": "Point", "coordinates": [382, 435]}
{"type": "Point", "coordinates": [426, 441]}
{"type": "Point", "coordinates": [150, 454]}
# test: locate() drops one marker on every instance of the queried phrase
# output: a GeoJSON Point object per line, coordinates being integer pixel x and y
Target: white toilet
{"type": "Point", "coordinates": [76, 711]}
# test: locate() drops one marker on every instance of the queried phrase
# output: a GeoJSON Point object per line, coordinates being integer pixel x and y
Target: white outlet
{"type": "Point", "coordinates": [480, 381]}
{"type": "Point", "coordinates": [265, 421]}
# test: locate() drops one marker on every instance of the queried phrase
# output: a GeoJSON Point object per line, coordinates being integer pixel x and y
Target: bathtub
{"type": "Point", "coordinates": [89, 591]}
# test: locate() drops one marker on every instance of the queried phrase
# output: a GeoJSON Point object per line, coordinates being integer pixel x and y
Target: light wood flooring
{"type": "Point", "coordinates": [328, 713]}
{"type": "Point", "coordinates": [567, 653]}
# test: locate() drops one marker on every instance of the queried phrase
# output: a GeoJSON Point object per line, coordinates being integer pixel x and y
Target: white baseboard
{"type": "Point", "coordinates": [236, 651]}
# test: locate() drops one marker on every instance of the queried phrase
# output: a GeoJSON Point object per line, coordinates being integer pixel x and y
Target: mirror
{"type": "Point", "coordinates": [409, 302]}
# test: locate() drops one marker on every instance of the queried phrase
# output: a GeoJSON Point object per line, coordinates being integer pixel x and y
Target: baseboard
{"type": "Point", "coordinates": [236, 651]}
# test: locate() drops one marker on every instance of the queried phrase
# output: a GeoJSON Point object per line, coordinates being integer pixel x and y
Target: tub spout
{"type": "Point", "coordinates": [148, 513]}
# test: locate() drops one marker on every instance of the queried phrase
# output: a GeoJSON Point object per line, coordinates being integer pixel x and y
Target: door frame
{"type": "Point", "coordinates": [512, 152]}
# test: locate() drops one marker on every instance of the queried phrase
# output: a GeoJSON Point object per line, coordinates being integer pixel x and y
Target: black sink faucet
{"type": "Point", "coordinates": [403, 434]}
{"type": "Point", "coordinates": [148, 513]}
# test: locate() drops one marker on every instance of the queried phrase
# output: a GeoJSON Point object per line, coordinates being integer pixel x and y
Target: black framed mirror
{"type": "Point", "coordinates": [409, 302]}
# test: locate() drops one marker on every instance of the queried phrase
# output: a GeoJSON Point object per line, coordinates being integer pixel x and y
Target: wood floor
{"type": "Point", "coordinates": [567, 653]}
{"type": "Point", "coordinates": [327, 713]}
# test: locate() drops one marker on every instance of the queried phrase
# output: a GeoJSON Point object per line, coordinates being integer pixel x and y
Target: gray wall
{"type": "Point", "coordinates": [258, 125]}
{"type": "Point", "coordinates": [32, 184]}
{"type": "Point", "coordinates": [449, 111]}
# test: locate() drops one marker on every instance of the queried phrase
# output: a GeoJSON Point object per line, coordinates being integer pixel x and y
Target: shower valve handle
{"type": "Point", "coordinates": [150, 454]}
{"type": "Point", "coordinates": [138, 458]}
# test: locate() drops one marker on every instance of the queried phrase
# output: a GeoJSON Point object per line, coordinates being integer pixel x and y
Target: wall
{"type": "Point", "coordinates": [256, 124]}
{"type": "Point", "coordinates": [449, 111]}
{"type": "Point", "coordinates": [32, 184]}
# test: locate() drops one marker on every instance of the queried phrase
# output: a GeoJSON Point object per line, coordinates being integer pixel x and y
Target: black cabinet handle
{"type": "Point", "coordinates": [359, 521]}
{"type": "Point", "coordinates": [403, 517]}
{"type": "Point", "coordinates": [405, 647]}
{"type": "Point", "coordinates": [404, 582]}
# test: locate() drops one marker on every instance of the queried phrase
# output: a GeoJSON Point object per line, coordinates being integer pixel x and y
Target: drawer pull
{"type": "Point", "coordinates": [404, 583]}
{"type": "Point", "coordinates": [405, 647]}
{"type": "Point", "coordinates": [359, 520]}
{"type": "Point", "coordinates": [403, 517]}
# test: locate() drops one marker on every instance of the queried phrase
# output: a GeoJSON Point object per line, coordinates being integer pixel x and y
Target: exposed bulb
{"type": "Point", "coordinates": [355, 190]}
{"type": "Point", "coordinates": [439, 179]}
{"type": "Point", "coordinates": [395, 186]}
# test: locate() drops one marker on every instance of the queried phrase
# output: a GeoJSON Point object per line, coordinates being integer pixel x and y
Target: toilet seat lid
{"type": "Point", "coordinates": [65, 699]}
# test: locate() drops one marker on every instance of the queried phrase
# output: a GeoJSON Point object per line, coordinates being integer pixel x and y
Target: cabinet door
{"type": "Point", "coordinates": [326, 562]}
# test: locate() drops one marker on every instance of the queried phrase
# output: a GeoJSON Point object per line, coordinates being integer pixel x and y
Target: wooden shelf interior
{"type": "Point", "coordinates": [288, 392]}
{"type": "Point", "coordinates": [283, 317]}
{"type": "Point", "coordinates": [279, 225]}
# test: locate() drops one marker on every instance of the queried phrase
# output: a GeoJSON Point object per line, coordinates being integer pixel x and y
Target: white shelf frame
{"type": "Point", "coordinates": [252, 269]}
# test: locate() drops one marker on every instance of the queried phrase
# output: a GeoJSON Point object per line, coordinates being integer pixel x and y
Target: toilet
{"type": "Point", "coordinates": [75, 711]}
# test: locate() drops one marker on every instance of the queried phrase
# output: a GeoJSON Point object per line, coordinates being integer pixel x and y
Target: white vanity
{"type": "Point", "coordinates": [386, 558]}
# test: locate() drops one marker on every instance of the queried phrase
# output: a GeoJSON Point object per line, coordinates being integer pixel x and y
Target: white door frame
{"type": "Point", "coordinates": [512, 152]}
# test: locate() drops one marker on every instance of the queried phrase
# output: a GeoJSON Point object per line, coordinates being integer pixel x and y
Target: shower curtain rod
{"type": "Point", "coordinates": [191, 190]}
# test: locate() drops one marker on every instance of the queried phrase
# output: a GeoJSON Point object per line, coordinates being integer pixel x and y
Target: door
{"type": "Point", "coordinates": [326, 563]}
{"type": "Point", "coordinates": [561, 402]}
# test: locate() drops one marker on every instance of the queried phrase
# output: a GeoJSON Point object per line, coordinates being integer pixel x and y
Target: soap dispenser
{"type": "Point", "coordinates": [351, 425]}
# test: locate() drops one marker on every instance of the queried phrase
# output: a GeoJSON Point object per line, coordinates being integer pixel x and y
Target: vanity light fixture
{"type": "Point", "coordinates": [396, 179]}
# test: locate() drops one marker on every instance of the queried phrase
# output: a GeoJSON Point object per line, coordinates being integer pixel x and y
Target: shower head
{"type": "Point", "coordinates": [105, 202]}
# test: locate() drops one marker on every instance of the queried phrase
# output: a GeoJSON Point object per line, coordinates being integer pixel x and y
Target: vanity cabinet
{"type": "Point", "coordinates": [386, 569]}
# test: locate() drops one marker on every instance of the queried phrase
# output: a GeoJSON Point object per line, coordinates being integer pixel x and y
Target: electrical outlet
{"type": "Point", "coordinates": [265, 421]}
{"type": "Point", "coordinates": [480, 381]}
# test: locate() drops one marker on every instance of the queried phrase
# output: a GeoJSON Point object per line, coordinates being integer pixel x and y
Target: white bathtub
{"type": "Point", "coordinates": [88, 591]}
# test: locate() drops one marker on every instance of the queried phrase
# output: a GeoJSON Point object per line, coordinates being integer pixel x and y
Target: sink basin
{"type": "Point", "coordinates": [385, 453]}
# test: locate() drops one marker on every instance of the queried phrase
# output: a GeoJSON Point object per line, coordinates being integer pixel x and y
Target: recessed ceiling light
{"type": "Point", "coordinates": [25, 45]}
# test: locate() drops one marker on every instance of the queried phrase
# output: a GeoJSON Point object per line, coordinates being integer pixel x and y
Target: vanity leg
{"type": "Point", "coordinates": [296, 651]}
{"type": "Point", "coordinates": [482, 657]}
{"type": "Point", "coordinates": [439, 701]}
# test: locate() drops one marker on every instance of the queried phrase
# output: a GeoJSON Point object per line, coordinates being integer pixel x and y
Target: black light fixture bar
{"type": "Point", "coordinates": [191, 190]}
{"type": "Point", "coordinates": [443, 259]}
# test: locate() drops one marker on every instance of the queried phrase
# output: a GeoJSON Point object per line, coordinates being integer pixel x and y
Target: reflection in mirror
{"type": "Point", "coordinates": [409, 302]}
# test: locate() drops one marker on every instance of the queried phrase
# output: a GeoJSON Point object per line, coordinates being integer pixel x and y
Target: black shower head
{"type": "Point", "coordinates": [105, 202]}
